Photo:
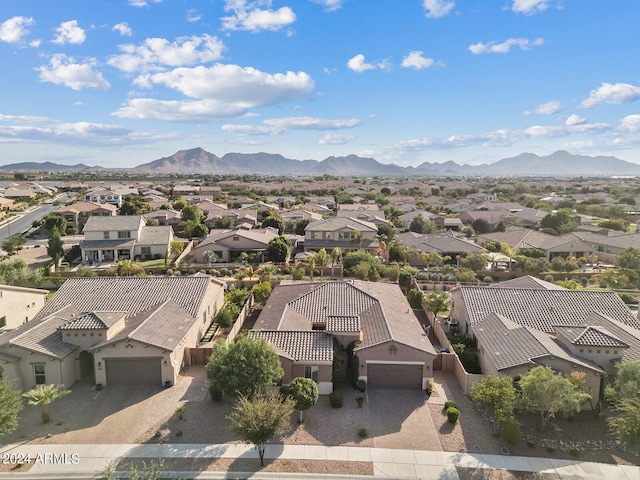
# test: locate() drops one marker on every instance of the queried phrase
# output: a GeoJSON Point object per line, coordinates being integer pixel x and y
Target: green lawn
{"type": "Point", "coordinates": [152, 263]}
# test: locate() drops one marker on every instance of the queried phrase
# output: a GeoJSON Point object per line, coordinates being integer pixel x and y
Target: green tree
{"type": "Point", "coordinates": [548, 392]}
{"type": "Point", "coordinates": [10, 407]}
{"type": "Point", "coordinates": [210, 257]}
{"type": "Point", "coordinates": [405, 279]}
{"type": "Point", "coordinates": [176, 247]}
{"type": "Point", "coordinates": [261, 291]}
{"type": "Point", "coordinates": [398, 252]}
{"type": "Point", "coordinates": [55, 221]}
{"type": "Point", "coordinates": [12, 244]}
{"type": "Point", "coordinates": [179, 204]}
{"type": "Point", "coordinates": [498, 395]}
{"type": "Point", "coordinates": [321, 259]}
{"type": "Point", "coordinates": [415, 298]}
{"type": "Point", "coordinates": [55, 246]}
{"type": "Point", "coordinates": [304, 393]}
{"type": "Point", "coordinates": [475, 261]}
{"type": "Point", "coordinates": [480, 225]}
{"type": "Point", "coordinates": [624, 395]}
{"type": "Point", "coordinates": [191, 213]}
{"type": "Point", "coordinates": [275, 222]}
{"type": "Point", "coordinates": [437, 301]}
{"type": "Point", "coordinates": [227, 315]}
{"type": "Point", "coordinates": [301, 225]}
{"type": "Point", "coordinates": [45, 395]}
{"type": "Point", "coordinates": [421, 225]}
{"type": "Point", "coordinates": [336, 256]}
{"type": "Point", "coordinates": [16, 272]}
{"type": "Point", "coordinates": [258, 419]}
{"type": "Point", "coordinates": [266, 271]}
{"type": "Point", "coordinates": [558, 223]}
{"type": "Point", "coordinates": [629, 258]}
{"type": "Point", "coordinates": [128, 268]}
{"type": "Point", "coordinates": [223, 223]}
{"type": "Point", "coordinates": [246, 366]}
{"type": "Point", "coordinates": [278, 249]}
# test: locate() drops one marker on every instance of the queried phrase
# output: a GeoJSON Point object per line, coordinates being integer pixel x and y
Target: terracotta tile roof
{"type": "Point", "coordinates": [128, 294]}
{"type": "Point", "coordinates": [544, 309]}
{"type": "Point", "coordinates": [310, 346]}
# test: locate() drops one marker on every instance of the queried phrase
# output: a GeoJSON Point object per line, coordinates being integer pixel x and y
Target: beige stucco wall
{"type": "Point", "coordinates": [132, 350]}
{"type": "Point", "coordinates": [403, 354]}
{"type": "Point", "coordinates": [20, 305]}
{"type": "Point", "coordinates": [59, 372]}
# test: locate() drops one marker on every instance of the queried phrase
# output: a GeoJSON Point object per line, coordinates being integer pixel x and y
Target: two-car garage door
{"type": "Point", "coordinates": [134, 371]}
{"type": "Point", "coordinates": [384, 375]}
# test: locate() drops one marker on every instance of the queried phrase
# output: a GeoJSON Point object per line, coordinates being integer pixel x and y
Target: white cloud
{"type": "Point", "coordinates": [548, 108]}
{"type": "Point", "coordinates": [417, 60]}
{"type": "Point", "coordinates": [80, 133]}
{"type": "Point", "coordinates": [336, 139]}
{"type": "Point", "coordinates": [69, 32]}
{"type": "Point", "coordinates": [529, 7]}
{"type": "Point", "coordinates": [221, 91]}
{"type": "Point", "coordinates": [65, 71]}
{"type": "Point", "coordinates": [22, 118]}
{"type": "Point", "coordinates": [574, 120]}
{"type": "Point", "coordinates": [123, 29]}
{"type": "Point", "coordinates": [630, 123]}
{"type": "Point", "coordinates": [437, 8]}
{"type": "Point", "coordinates": [330, 5]}
{"type": "Point", "coordinates": [155, 53]}
{"type": "Point", "coordinates": [142, 3]}
{"type": "Point", "coordinates": [611, 93]}
{"type": "Point", "coordinates": [193, 15]}
{"type": "Point", "coordinates": [505, 47]}
{"type": "Point", "coordinates": [277, 126]}
{"type": "Point", "coordinates": [359, 65]}
{"type": "Point", "coordinates": [14, 29]}
{"type": "Point", "coordinates": [248, 15]}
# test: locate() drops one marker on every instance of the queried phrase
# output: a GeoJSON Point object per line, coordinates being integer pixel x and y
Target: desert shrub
{"type": "Point", "coordinates": [415, 298]}
{"type": "Point", "coordinates": [574, 452]}
{"type": "Point", "coordinates": [511, 433]}
{"type": "Point", "coordinates": [450, 403]}
{"type": "Point", "coordinates": [452, 415]}
{"type": "Point", "coordinates": [550, 450]}
{"type": "Point", "coordinates": [361, 385]}
{"type": "Point", "coordinates": [216, 394]}
{"type": "Point", "coordinates": [548, 278]}
{"type": "Point", "coordinates": [422, 276]}
{"type": "Point", "coordinates": [359, 401]}
{"type": "Point", "coordinates": [363, 432]}
{"type": "Point", "coordinates": [530, 444]}
{"type": "Point", "coordinates": [336, 399]}
{"type": "Point", "coordinates": [487, 279]}
{"type": "Point", "coordinates": [298, 273]}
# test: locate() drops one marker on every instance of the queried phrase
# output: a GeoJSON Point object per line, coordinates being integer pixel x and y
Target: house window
{"type": "Point", "coordinates": [124, 234]}
{"type": "Point", "coordinates": [38, 374]}
{"type": "Point", "coordinates": [146, 250]}
{"type": "Point", "coordinates": [311, 372]}
{"type": "Point", "coordinates": [615, 352]}
{"type": "Point", "coordinates": [3, 321]}
{"type": "Point", "coordinates": [581, 350]}
{"type": "Point", "coordinates": [597, 351]}
{"type": "Point", "coordinates": [105, 235]}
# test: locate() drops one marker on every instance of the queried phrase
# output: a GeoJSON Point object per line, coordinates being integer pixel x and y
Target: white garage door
{"type": "Point", "coordinates": [134, 371]}
{"type": "Point", "coordinates": [380, 375]}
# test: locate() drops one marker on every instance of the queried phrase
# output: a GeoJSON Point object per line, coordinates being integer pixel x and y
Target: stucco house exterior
{"type": "Point", "coordinates": [77, 214]}
{"type": "Point", "coordinates": [112, 330]}
{"type": "Point", "coordinates": [109, 239]}
{"type": "Point", "coordinates": [19, 305]}
{"type": "Point", "coordinates": [229, 244]}
{"type": "Point", "coordinates": [345, 232]}
{"type": "Point", "coordinates": [303, 320]}
{"type": "Point", "coordinates": [525, 322]}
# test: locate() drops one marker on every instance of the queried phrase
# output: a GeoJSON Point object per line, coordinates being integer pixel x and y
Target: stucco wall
{"type": "Point", "coordinates": [394, 352]}
{"type": "Point", "coordinates": [20, 305]}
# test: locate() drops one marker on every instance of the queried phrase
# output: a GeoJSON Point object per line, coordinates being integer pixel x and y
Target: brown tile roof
{"type": "Point", "coordinates": [128, 294]}
{"type": "Point", "coordinates": [544, 309]}
{"type": "Point", "coordinates": [310, 346]}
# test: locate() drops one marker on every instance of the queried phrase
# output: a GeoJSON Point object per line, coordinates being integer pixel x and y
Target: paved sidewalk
{"type": "Point", "coordinates": [88, 461]}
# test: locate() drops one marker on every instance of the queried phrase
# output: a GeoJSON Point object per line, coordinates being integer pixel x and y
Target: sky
{"type": "Point", "coordinates": [118, 83]}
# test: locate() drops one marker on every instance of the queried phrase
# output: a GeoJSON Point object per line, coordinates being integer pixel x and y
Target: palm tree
{"type": "Point", "coordinates": [45, 395]}
{"type": "Point", "coordinates": [336, 254]}
{"type": "Point", "coordinates": [266, 271]}
{"type": "Point", "coordinates": [210, 257]}
{"type": "Point", "coordinates": [128, 268]}
{"type": "Point", "coordinates": [321, 261]}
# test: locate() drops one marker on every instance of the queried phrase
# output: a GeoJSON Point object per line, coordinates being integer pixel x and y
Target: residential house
{"type": "Point", "coordinates": [102, 195]}
{"type": "Point", "coordinates": [109, 239]}
{"type": "Point", "coordinates": [19, 305]}
{"type": "Point", "coordinates": [299, 214]}
{"type": "Point", "coordinates": [493, 217]}
{"type": "Point", "coordinates": [406, 219]}
{"type": "Point", "coordinates": [607, 247]}
{"type": "Point", "coordinates": [303, 320]}
{"type": "Point", "coordinates": [164, 217]}
{"type": "Point", "coordinates": [346, 233]}
{"type": "Point", "coordinates": [445, 244]}
{"type": "Point", "coordinates": [77, 214]}
{"type": "Point", "coordinates": [113, 331]}
{"type": "Point", "coordinates": [526, 322]}
{"type": "Point", "coordinates": [241, 218]}
{"type": "Point", "coordinates": [228, 245]}
{"type": "Point", "coordinates": [376, 217]}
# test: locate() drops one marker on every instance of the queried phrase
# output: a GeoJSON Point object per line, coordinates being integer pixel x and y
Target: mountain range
{"type": "Point", "coordinates": [197, 160]}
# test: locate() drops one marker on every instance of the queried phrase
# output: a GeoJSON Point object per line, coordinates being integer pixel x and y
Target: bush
{"type": "Point", "coordinates": [487, 279]}
{"type": "Point", "coordinates": [450, 403]}
{"type": "Point", "coordinates": [511, 433]}
{"type": "Point", "coordinates": [574, 452]}
{"type": "Point", "coordinates": [363, 432]}
{"type": "Point", "coordinates": [336, 399]}
{"type": "Point", "coordinates": [359, 401]}
{"type": "Point", "coordinates": [216, 394]}
{"type": "Point", "coordinates": [361, 385]}
{"type": "Point", "coordinates": [423, 276]}
{"type": "Point", "coordinates": [548, 278]}
{"type": "Point", "coordinates": [298, 273]}
{"type": "Point", "coordinates": [452, 415]}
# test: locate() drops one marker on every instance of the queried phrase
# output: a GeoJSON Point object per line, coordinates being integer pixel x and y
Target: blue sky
{"type": "Point", "coordinates": [118, 83]}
